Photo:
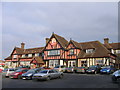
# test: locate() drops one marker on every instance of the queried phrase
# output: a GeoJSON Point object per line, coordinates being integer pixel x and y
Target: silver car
{"type": "Point", "coordinates": [7, 72]}
{"type": "Point", "coordinates": [47, 75]}
{"type": "Point", "coordinates": [116, 76]}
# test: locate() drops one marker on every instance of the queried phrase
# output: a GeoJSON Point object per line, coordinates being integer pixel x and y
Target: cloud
{"type": "Point", "coordinates": [33, 22]}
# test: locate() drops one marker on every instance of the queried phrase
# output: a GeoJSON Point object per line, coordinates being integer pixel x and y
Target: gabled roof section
{"type": "Point", "coordinates": [18, 50]}
{"type": "Point", "coordinates": [61, 40]}
{"type": "Point", "coordinates": [33, 50]}
{"type": "Point", "coordinates": [100, 50]}
{"type": "Point", "coordinates": [8, 58]}
{"type": "Point", "coordinates": [76, 44]}
{"type": "Point", "coordinates": [38, 59]}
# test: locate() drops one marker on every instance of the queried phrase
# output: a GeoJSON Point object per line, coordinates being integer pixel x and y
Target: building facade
{"type": "Point", "coordinates": [59, 51]}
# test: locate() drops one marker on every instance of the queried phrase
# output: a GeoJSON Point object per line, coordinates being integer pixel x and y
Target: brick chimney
{"type": "Point", "coordinates": [22, 45]}
{"type": "Point", "coordinates": [47, 39]}
{"type": "Point", "coordinates": [106, 40]}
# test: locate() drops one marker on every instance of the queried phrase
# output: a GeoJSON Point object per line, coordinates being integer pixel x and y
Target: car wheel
{"type": "Point", "coordinates": [61, 76]}
{"type": "Point", "coordinates": [95, 72]}
{"type": "Point", "coordinates": [114, 79]}
{"type": "Point", "coordinates": [19, 77]}
{"type": "Point", "coordinates": [48, 78]}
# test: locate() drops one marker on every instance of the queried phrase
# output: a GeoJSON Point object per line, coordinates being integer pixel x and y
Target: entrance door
{"type": "Point", "coordinates": [71, 63]}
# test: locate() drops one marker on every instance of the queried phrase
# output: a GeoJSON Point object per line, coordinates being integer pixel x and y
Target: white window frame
{"type": "Point", "coordinates": [29, 55]}
{"type": "Point", "coordinates": [14, 56]}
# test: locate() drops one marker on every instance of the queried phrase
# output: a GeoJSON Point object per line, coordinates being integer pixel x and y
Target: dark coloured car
{"type": "Point", "coordinates": [94, 69]}
{"type": "Point", "coordinates": [81, 69]}
{"type": "Point", "coordinates": [107, 69]}
{"type": "Point", "coordinates": [18, 73]}
{"type": "Point", "coordinates": [116, 76]}
{"type": "Point", "coordinates": [30, 73]}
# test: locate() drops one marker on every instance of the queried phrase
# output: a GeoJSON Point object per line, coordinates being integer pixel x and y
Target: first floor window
{"type": "Point", "coordinates": [71, 51]}
{"type": "Point", "coordinates": [14, 56]}
{"type": "Point", "coordinates": [54, 52]}
{"type": "Point", "coordinates": [29, 55]}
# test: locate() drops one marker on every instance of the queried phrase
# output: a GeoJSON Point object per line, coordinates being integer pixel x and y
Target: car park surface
{"type": "Point", "coordinates": [70, 80]}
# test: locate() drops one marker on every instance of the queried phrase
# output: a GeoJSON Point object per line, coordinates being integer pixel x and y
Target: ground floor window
{"type": "Point", "coordinates": [100, 62]}
{"type": "Point", "coordinates": [53, 63]}
{"type": "Point", "coordinates": [83, 63]}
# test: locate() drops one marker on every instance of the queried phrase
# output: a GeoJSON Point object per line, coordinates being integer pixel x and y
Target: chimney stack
{"type": "Point", "coordinates": [22, 45]}
{"type": "Point", "coordinates": [106, 40]}
{"type": "Point", "coordinates": [47, 39]}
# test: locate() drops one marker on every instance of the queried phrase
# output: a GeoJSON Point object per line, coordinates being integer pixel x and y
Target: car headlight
{"type": "Point", "coordinates": [108, 70]}
{"type": "Point", "coordinates": [29, 74]}
{"type": "Point", "coordinates": [93, 70]}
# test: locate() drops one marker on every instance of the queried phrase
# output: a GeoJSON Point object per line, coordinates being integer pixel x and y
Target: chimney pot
{"type": "Point", "coordinates": [106, 40]}
{"type": "Point", "coordinates": [47, 39]}
{"type": "Point", "coordinates": [22, 45]}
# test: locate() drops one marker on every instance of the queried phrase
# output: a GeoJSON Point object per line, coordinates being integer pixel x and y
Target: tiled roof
{"type": "Point", "coordinates": [100, 50]}
{"type": "Point", "coordinates": [8, 58]}
{"type": "Point", "coordinates": [33, 50]}
{"type": "Point", "coordinates": [115, 45]}
{"type": "Point", "coordinates": [38, 59]}
{"type": "Point", "coordinates": [61, 40]}
{"type": "Point", "coordinates": [77, 45]}
{"type": "Point", "coordinates": [19, 50]}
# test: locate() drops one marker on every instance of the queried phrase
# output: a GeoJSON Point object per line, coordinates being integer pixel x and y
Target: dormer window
{"type": "Point", "coordinates": [89, 50]}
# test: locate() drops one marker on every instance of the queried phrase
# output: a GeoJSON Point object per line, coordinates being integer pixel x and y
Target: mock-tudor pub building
{"type": "Point", "coordinates": [59, 51]}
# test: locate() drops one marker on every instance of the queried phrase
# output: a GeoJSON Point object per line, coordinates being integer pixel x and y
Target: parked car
{"type": "Point", "coordinates": [6, 72]}
{"type": "Point", "coordinates": [18, 73]}
{"type": "Point", "coordinates": [23, 67]}
{"type": "Point", "coordinates": [30, 73]}
{"type": "Point", "coordinates": [94, 69]}
{"type": "Point", "coordinates": [1, 70]}
{"type": "Point", "coordinates": [116, 76]}
{"type": "Point", "coordinates": [47, 75]}
{"type": "Point", "coordinates": [107, 69]}
{"type": "Point", "coordinates": [81, 69]}
{"type": "Point", "coordinates": [69, 70]}
{"type": "Point", "coordinates": [60, 68]}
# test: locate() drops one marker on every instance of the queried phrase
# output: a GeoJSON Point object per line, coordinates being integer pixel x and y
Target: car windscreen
{"type": "Point", "coordinates": [106, 67]}
{"type": "Point", "coordinates": [19, 70]}
{"type": "Point", "coordinates": [31, 70]}
{"type": "Point", "coordinates": [44, 71]}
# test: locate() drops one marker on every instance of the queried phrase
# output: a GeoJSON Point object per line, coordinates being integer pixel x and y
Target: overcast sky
{"type": "Point", "coordinates": [32, 22]}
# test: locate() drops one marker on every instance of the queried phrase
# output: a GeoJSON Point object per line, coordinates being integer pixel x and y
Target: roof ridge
{"type": "Point", "coordinates": [88, 42]}
{"type": "Point", "coordinates": [34, 48]}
